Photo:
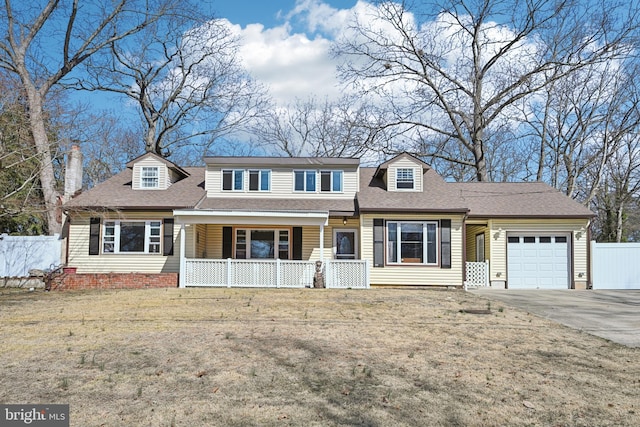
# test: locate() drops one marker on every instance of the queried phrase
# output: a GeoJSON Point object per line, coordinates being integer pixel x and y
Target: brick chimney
{"type": "Point", "coordinates": [73, 173]}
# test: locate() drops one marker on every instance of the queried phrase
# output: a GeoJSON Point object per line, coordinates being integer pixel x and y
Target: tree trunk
{"type": "Point", "coordinates": [43, 148]}
{"type": "Point", "coordinates": [150, 143]}
{"type": "Point", "coordinates": [619, 220]}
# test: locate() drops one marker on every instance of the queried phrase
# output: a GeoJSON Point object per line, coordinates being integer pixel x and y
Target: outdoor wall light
{"type": "Point", "coordinates": [344, 220]}
{"type": "Point", "coordinates": [497, 234]}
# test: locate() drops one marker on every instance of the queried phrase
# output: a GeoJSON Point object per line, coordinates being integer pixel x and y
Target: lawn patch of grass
{"type": "Point", "coordinates": [199, 357]}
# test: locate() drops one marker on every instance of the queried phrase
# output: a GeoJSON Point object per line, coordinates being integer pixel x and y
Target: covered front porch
{"type": "Point", "coordinates": [283, 249]}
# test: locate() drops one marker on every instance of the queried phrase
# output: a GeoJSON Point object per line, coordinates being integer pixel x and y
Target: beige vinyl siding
{"type": "Point", "coordinates": [281, 184]}
{"type": "Point", "coordinates": [200, 241]}
{"type": "Point", "coordinates": [497, 238]}
{"type": "Point", "coordinates": [214, 241]}
{"type": "Point", "coordinates": [119, 263]}
{"type": "Point", "coordinates": [405, 275]}
{"type": "Point", "coordinates": [164, 180]}
{"type": "Point", "coordinates": [472, 232]}
{"type": "Point", "coordinates": [404, 163]}
{"type": "Point", "coordinates": [189, 246]}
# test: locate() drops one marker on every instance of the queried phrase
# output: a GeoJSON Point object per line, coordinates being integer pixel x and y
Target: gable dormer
{"type": "Point", "coordinates": [152, 172]}
{"type": "Point", "coordinates": [402, 173]}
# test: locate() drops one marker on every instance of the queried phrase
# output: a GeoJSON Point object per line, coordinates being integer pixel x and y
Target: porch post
{"type": "Point", "coordinates": [321, 242]}
{"type": "Point", "coordinates": [183, 261]}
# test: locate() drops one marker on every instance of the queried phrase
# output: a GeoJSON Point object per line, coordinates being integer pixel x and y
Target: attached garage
{"type": "Point", "coordinates": [538, 261]}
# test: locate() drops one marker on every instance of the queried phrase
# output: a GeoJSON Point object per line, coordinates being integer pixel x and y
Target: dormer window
{"type": "Point", "coordinates": [149, 177]}
{"type": "Point", "coordinates": [259, 180]}
{"type": "Point", "coordinates": [331, 181]}
{"type": "Point", "coordinates": [232, 179]}
{"type": "Point", "coordinates": [404, 179]}
{"type": "Point", "coordinates": [304, 181]}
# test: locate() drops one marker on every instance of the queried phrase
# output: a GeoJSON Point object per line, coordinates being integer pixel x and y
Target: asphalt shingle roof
{"type": "Point", "coordinates": [523, 200]}
{"type": "Point", "coordinates": [517, 199]}
{"type": "Point", "coordinates": [435, 196]}
{"type": "Point", "coordinates": [344, 207]}
{"type": "Point", "coordinates": [118, 193]}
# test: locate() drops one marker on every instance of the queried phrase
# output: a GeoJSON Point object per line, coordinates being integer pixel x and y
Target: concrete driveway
{"type": "Point", "coordinates": [610, 314]}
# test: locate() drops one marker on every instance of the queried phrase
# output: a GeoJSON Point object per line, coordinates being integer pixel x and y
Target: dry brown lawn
{"type": "Point", "coordinates": [242, 357]}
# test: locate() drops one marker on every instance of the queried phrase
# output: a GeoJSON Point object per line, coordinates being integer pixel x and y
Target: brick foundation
{"type": "Point", "coordinates": [118, 281]}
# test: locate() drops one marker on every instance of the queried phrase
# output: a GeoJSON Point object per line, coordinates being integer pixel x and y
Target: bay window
{"type": "Point", "coordinates": [412, 242]}
{"type": "Point", "coordinates": [142, 237]}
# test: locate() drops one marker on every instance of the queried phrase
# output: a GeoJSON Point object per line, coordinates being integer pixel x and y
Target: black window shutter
{"type": "Point", "coordinates": [94, 236]}
{"type": "Point", "coordinates": [227, 242]}
{"type": "Point", "coordinates": [378, 243]}
{"type": "Point", "coordinates": [445, 243]}
{"type": "Point", "coordinates": [167, 237]}
{"type": "Point", "coordinates": [297, 243]}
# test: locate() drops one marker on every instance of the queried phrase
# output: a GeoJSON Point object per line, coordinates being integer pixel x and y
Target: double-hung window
{"type": "Point", "coordinates": [404, 179]}
{"type": "Point", "coordinates": [304, 180]}
{"type": "Point", "coordinates": [412, 242]}
{"type": "Point", "coordinates": [142, 237]}
{"type": "Point", "coordinates": [259, 180]}
{"type": "Point", "coordinates": [233, 180]}
{"type": "Point", "coordinates": [262, 244]}
{"type": "Point", "coordinates": [149, 177]}
{"type": "Point", "coordinates": [331, 181]}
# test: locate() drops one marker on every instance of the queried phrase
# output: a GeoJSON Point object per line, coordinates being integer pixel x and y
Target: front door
{"type": "Point", "coordinates": [345, 243]}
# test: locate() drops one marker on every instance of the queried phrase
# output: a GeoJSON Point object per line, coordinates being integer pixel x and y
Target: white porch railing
{"type": "Point", "coordinates": [273, 273]}
{"type": "Point", "coordinates": [347, 274]}
{"type": "Point", "coordinates": [477, 274]}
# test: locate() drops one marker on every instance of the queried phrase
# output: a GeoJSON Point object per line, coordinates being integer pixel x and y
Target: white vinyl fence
{"type": "Point", "coordinates": [615, 265]}
{"type": "Point", "coordinates": [19, 254]}
{"type": "Point", "coordinates": [273, 273]}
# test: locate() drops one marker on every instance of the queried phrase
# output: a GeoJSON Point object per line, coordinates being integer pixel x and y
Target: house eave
{"type": "Point", "coordinates": [253, 217]}
{"type": "Point", "coordinates": [529, 216]}
{"type": "Point", "coordinates": [458, 211]}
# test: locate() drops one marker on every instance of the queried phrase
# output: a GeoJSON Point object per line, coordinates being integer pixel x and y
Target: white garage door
{"type": "Point", "coordinates": [537, 261]}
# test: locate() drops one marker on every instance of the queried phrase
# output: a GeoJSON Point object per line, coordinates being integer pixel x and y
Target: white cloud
{"type": "Point", "coordinates": [293, 59]}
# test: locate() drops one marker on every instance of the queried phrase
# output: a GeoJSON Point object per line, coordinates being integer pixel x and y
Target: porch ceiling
{"type": "Point", "coordinates": [240, 217]}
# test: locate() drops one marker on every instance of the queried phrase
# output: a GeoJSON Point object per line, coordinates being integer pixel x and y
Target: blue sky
{"type": "Point", "coordinates": [267, 12]}
{"type": "Point", "coordinates": [285, 43]}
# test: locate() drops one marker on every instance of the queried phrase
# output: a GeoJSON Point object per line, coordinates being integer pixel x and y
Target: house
{"type": "Point", "coordinates": [265, 221]}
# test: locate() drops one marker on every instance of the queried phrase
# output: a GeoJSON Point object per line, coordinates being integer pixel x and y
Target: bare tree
{"type": "Point", "coordinates": [44, 41]}
{"type": "Point", "coordinates": [579, 124]}
{"type": "Point", "coordinates": [342, 128]}
{"type": "Point", "coordinates": [186, 79]}
{"type": "Point", "coordinates": [107, 142]}
{"type": "Point", "coordinates": [451, 72]}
